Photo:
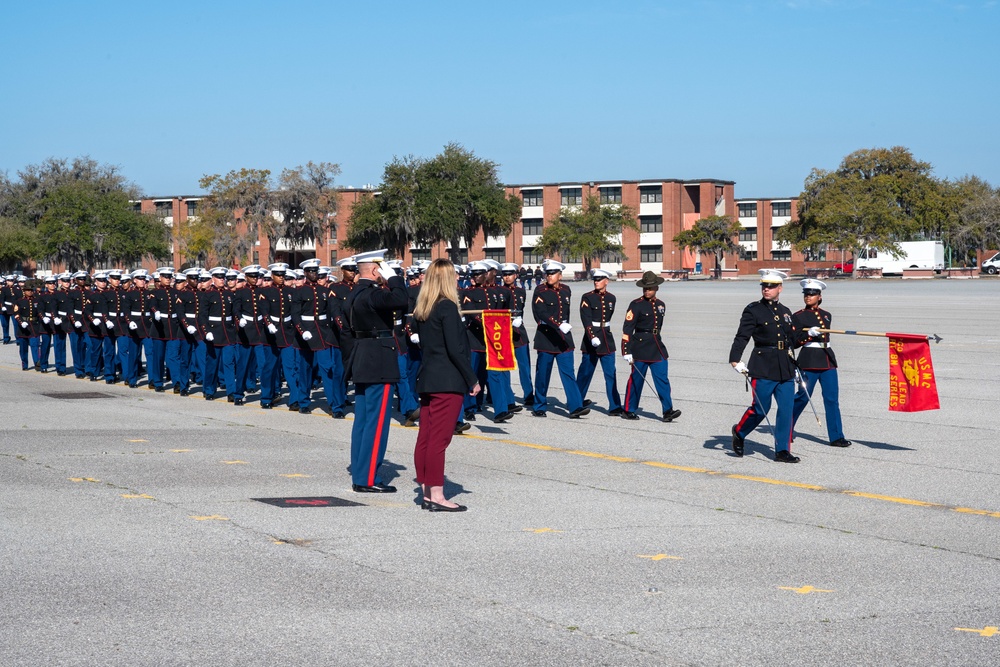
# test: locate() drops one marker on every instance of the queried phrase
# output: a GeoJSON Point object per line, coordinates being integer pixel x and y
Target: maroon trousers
{"type": "Point", "coordinates": [438, 415]}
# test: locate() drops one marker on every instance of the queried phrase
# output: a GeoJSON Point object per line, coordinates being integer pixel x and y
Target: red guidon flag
{"type": "Point", "coordinates": [499, 340]}
{"type": "Point", "coordinates": [912, 387]}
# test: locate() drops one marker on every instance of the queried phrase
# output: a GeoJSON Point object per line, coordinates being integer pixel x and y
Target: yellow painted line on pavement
{"type": "Point", "coordinates": [987, 631]}
{"type": "Point", "coordinates": [804, 590]}
{"type": "Point", "coordinates": [891, 499]}
{"type": "Point", "coordinates": [85, 479]}
{"type": "Point", "coordinates": [145, 496]}
{"type": "Point", "coordinates": [780, 482]}
{"type": "Point", "coordinates": [969, 510]}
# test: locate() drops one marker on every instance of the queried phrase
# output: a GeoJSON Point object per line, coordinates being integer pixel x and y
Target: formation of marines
{"type": "Point", "coordinates": [284, 332]}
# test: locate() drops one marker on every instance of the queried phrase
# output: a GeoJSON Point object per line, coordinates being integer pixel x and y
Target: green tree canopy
{"type": "Point", "coordinates": [877, 197]}
{"type": "Point", "coordinates": [306, 200]}
{"type": "Point", "coordinates": [711, 236]}
{"type": "Point", "coordinates": [18, 242]}
{"type": "Point", "coordinates": [974, 217]}
{"type": "Point", "coordinates": [241, 197]}
{"type": "Point", "coordinates": [82, 214]}
{"type": "Point", "coordinates": [588, 232]}
{"type": "Point", "coordinates": [451, 197]}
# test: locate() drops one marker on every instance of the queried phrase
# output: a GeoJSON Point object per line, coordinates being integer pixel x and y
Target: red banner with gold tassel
{"type": "Point", "coordinates": [499, 340]}
{"type": "Point", "coordinates": [912, 386]}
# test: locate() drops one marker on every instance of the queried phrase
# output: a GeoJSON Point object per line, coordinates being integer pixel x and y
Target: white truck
{"type": "Point", "coordinates": [916, 255]}
{"type": "Point", "coordinates": [992, 265]}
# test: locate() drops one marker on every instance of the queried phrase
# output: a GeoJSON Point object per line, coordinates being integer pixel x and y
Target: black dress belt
{"type": "Point", "coordinates": [373, 334]}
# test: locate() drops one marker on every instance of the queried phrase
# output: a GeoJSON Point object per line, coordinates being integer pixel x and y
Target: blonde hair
{"type": "Point", "coordinates": [440, 282]}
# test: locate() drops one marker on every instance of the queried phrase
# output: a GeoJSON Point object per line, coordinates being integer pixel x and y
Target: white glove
{"type": "Point", "coordinates": [386, 272]}
{"type": "Point", "coordinates": [273, 329]}
{"type": "Point", "coordinates": [565, 327]}
{"type": "Point", "coordinates": [46, 319]}
{"type": "Point", "coordinates": [133, 326]}
{"type": "Point", "coordinates": [157, 315]}
{"type": "Point", "coordinates": [191, 329]}
{"type": "Point", "coordinates": [814, 332]}
{"type": "Point", "coordinates": [595, 341]}
{"type": "Point", "coordinates": [243, 322]}
{"type": "Point", "coordinates": [209, 336]}
{"type": "Point", "coordinates": [58, 321]}
{"type": "Point", "coordinates": [110, 324]}
{"type": "Point", "coordinates": [307, 335]}
{"type": "Point", "coordinates": [516, 322]}
{"type": "Point", "coordinates": [740, 368]}
{"type": "Point", "coordinates": [415, 339]}
{"type": "Point", "coordinates": [97, 321]}
{"type": "Point", "coordinates": [628, 358]}
{"type": "Point", "coordinates": [24, 325]}
{"type": "Point", "coordinates": [78, 324]}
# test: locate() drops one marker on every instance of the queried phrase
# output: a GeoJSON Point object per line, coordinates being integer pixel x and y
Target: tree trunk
{"type": "Point", "coordinates": [718, 269]}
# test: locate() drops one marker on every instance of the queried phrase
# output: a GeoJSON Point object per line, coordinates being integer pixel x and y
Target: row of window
{"type": "Point", "coordinates": [779, 209]}
{"type": "Point", "coordinates": [648, 194]}
{"type": "Point", "coordinates": [776, 255]}
{"type": "Point", "coordinates": [647, 224]}
{"type": "Point", "coordinates": [165, 209]}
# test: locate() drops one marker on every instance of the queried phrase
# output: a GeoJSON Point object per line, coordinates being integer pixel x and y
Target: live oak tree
{"type": "Point", "coordinates": [877, 198]}
{"type": "Point", "coordinates": [711, 236]}
{"type": "Point", "coordinates": [237, 208]}
{"type": "Point", "coordinates": [18, 243]}
{"type": "Point", "coordinates": [973, 218]}
{"type": "Point", "coordinates": [589, 232]}
{"type": "Point", "coordinates": [306, 200]}
{"type": "Point", "coordinates": [390, 219]}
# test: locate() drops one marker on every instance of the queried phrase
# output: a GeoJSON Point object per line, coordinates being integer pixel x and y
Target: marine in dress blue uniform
{"type": "Point", "coordinates": [139, 321]}
{"type": "Point", "coordinates": [61, 322]}
{"type": "Point", "coordinates": [310, 315]}
{"type": "Point", "coordinates": [24, 311]}
{"type": "Point", "coordinates": [817, 362]}
{"type": "Point", "coordinates": [219, 324]}
{"type": "Point", "coordinates": [79, 341]}
{"type": "Point", "coordinates": [282, 341]}
{"type": "Point", "coordinates": [550, 305]}
{"type": "Point", "coordinates": [771, 370]}
{"type": "Point", "coordinates": [597, 307]}
{"type": "Point", "coordinates": [372, 366]}
{"type": "Point", "coordinates": [95, 309]}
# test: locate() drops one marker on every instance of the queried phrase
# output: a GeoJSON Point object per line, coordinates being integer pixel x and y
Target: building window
{"type": "Point", "coordinates": [609, 257]}
{"type": "Point", "coordinates": [192, 209]}
{"type": "Point", "coordinates": [748, 210]}
{"type": "Point", "coordinates": [137, 207]}
{"type": "Point", "coordinates": [421, 254]}
{"type": "Point", "coordinates": [532, 197]}
{"type": "Point", "coordinates": [748, 255]}
{"type": "Point", "coordinates": [256, 257]}
{"type": "Point", "coordinates": [333, 256]}
{"type": "Point", "coordinates": [531, 257]}
{"type": "Point", "coordinates": [781, 209]}
{"type": "Point", "coordinates": [333, 233]}
{"type": "Point", "coordinates": [650, 194]}
{"type": "Point", "coordinates": [748, 234]}
{"type": "Point", "coordinates": [650, 253]}
{"type": "Point", "coordinates": [612, 195]}
{"type": "Point", "coordinates": [532, 226]}
{"type": "Point", "coordinates": [649, 224]}
{"type": "Point", "coordinates": [781, 255]}
{"type": "Point", "coordinates": [461, 255]}
{"type": "Point", "coordinates": [164, 209]}
{"type": "Point", "coordinates": [570, 258]}
{"type": "Point", "coordinates": [571, 197]}
{"type": "Point", "coordinates": [497, 254]}
{"type": "Point", "coordinates": [817, 254]}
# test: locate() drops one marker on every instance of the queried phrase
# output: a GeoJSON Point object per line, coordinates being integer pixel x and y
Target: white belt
{"type": "Point", "coordinates": [136, 313]}
{"type": "Point", "coordinates": [112, 315]}
{"type": "Point", "coordinates": [310, 318]}
{"type": "Point", "coordinates": [824, 345]}
{"type": "Point", "coordinates": [600, 324]}
{"type": "Point", "coordinates": [173, 314]}
{"type": "Point", "coordinates": [275, 318]}
{"type": "Point", "coordinates": [260, 317]}
{"type": "Point", "coordinates": [61, 312]}
{"type": "Point", "coordinates": [78, 312]}
{"type": "Point", "coordinates": [214, 319]}
{"type": "Point", "coordinates": [190, 315]}
{"type": "Point", "coordinates": [397, 322]}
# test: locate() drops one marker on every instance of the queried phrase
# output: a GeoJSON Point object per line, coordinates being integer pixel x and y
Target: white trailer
{"type": "Point", "coordinates": [916, 255]}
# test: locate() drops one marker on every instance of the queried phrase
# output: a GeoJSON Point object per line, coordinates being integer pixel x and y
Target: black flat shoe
{"type": "Point", "coordinates": [470, 415]}
{"type": "Point", "coordinates": [375, 488]}
{"type": "Point", "coordinates": [587, 402]}
{"type": "Point", "coordinates": [338, 415]}
{"type": "Point", "coordinates": [538, 413]}
{"type": "Point", "coordinates": [579, 412]}
{"type": "Point", "coordinates": [502, 417]}
{"type": "Point", "coordinates": [210, 397]}
{"type": "Point", "coordinates": [305, 411]}
{"type": "Point", "coordinates": [616, 412]}
{"type": "Point", "coordinates": [841, 442]}
{"type": "Point", "coordinates": [294, 407]}
{"type": "Point", "coordinates": [184, 392]}
{"type": "Point", "coordinates": [785, 456]}
{"type": "Point", "coordinates": [434, 507]}
{"type": "Point", "coordinates": [462, 428]}
{"type": "Point", "coordinates": [629, 415]}
{"type": "Point", "coordinates": [177, 389]}
{"type": "Point", "coordinates": [737, 443]}
{"type": "Point", "coordinates": [238, 401]}
{"type": "Point", "coordinates": [514, 407]}
{"type": "Point", "coordinates": [265, 406]}
{"type": "Point", "coordinates": [159, 390]}
{"type": "Point", "coordinates": [671, 415]}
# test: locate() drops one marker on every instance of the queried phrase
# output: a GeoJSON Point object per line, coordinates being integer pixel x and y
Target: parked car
{"type": "Point", "coordinates": [844, 267]}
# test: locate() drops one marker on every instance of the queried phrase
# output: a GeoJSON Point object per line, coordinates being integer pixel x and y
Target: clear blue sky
{"type": "Point", "coordinates": [758, 92]}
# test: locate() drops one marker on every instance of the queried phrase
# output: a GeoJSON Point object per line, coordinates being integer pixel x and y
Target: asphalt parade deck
{"type": "Point", "coordinates": [134, 532]}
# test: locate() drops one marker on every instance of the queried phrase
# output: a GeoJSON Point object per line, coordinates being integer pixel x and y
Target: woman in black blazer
{"type": "Point", "coordinates": [445, 376]}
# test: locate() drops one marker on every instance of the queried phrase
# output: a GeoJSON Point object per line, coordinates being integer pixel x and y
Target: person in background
{"type": "Point", "coordinates": [445, 377]}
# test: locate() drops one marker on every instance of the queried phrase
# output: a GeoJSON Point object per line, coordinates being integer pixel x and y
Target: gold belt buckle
{"type": "Point", "coordinates": [781, 345]}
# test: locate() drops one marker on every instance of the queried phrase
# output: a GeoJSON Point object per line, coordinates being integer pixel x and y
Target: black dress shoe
{"type": "Point", "coordinates": [737, 443]}
{"type": "Point", "coordinates": [185, 392]}
{"type": "Point", "coordinates": [177, 389]}
{"type": "Point", "coordinates": [307, 410]}
{"type": "Point", "coordinates": [132, 385]}
{"type": "Point", "coordinates": [587, 402]}
{"type": "Point", "coordinates": [579, 412]}
{"type": "Point", "coordinates": [265, 406]}
{"type": "Point", "coordinates": [470, 415]}
{"type": "Point", "coordinates": [671, 415]}
{"type": "Point", "coordinates": [230, 399]}
{"type": "Point", "coordinates": [294, 407]}
{"type": "Point", "coordinates": [61, 373]}
{"type": "Point", "coordinates": [514, 407]}
{"type": "Point", "coordinates": [502, 417]}
{"type": "Point", "coordinates": [538, 413]}
{"type": "Point", "coordinates": [238, 401]}
{"type": "Point", "coordinates": [841, 442]}
{"type": "Point", "coordinates": [529, 399]}
{"type": "Point", "coordinates": [616, 412]}
{"type": "Point", "coordinates": [93, 379]}
{"type": "Point", "coordinates": [377, 488]}
{"type": "Point", "coordinates": [434, 507]}
{"type": "Point", "coordinates": [462, 427]}
{"type": "Point", "coordinates": [412, 417]}
{"type": "Point", "coordinates": [159, 390]}
{"type": "Point", "coordinates": [629, 415]}
{"type": "Point", "coordinates": [337, 414]}
{"type": "Point", "coordinates": [785, 456]}
{"type": "Point", "coordinates": [209, 397]}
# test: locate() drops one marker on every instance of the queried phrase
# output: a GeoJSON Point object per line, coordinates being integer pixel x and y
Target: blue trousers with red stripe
{"type": "Point", "coordinates": [588, 364]}
{"type": "Point", "coordinates": [543, 373]}
{"type": "Point", "coordinates": [784, 395]}
{"type": "Point", "coordinates": [372, 410]}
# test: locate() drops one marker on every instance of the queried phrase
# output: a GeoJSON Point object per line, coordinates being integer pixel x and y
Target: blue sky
{"type": "Point", "coordinates": [758, 92]}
